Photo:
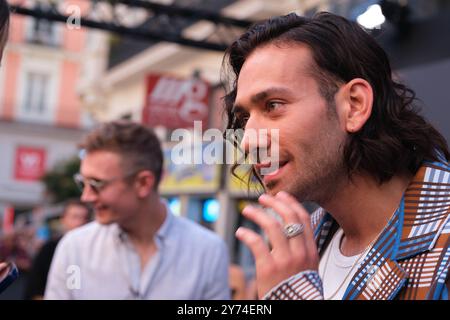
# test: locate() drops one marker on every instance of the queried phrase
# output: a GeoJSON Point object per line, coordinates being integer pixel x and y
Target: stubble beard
{"type": "Point", "coordinates": [321, 179]}
{"type": "Point", "coordinates": [321, 169]}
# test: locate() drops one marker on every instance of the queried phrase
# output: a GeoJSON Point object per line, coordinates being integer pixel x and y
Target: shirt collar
{"type": "Point", "coordinates": [162, 234]}
{"type": "Point", "coordinates": [424, 210]}
{"type": "Point", "coordinates": [163, 231]}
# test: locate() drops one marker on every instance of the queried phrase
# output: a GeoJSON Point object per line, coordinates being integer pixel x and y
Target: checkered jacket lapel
{"type": "Point", "coordinates": [413, 249]}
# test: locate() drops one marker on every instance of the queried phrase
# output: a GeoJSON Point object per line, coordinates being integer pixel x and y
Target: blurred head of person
{"type": "Point", "coordinates": [120, 171]}
{"type": "Point", "coordinates": [7, 242]}
{"type": "Point", "coordinates": [75, 214]}
{"type": "Point", "coordinates": [4, 25]}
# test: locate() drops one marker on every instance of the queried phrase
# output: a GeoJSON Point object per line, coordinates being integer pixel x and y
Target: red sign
{"type": "Point", "coordinates": [175, 103]}
{"type": "Point", "coordinates": [30, 163]}
{"type": "Point", "coordinates": [8, 219]}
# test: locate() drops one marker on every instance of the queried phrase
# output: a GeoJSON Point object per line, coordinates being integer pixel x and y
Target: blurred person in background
{"type": "Point", "coordinates": [75, 214]}
{"type": "Point", "coordinates": [349, 138]}
{"type": "Point", "coordinates": [251, 290]}
{"type": "Point", "coordinates": [237, 282]}
{"type": "Point", "coordinates": [136, 248]}
{"type": "Point", "coordinates": [14, 247]}
{"type": "Point", "coordinates": [4, 28]}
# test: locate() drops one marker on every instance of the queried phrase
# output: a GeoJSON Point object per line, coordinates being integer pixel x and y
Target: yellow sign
{"type": "Point", "coordinates": [241, 185]}
{"type": "Point", "coordinates": [189, 176]}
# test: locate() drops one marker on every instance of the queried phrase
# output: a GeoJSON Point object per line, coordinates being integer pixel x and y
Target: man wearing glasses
{"type": "Point", "coordinates": [136, 249]}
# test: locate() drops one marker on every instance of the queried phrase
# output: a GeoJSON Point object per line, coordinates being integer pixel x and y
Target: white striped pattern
{"type": "Point", "coordinates": [371, 264]}
{"type": "Point", "coordinates": [377, 283]}
{"type": "Point", "coordinates": [425, 278]}
{"type": "Point", "coordinates": [443, 268]}
{"type": "Point", "coordinates": [427, 225]}
{"type": "Point", "coordinates": [305, 285]}
{"type": "Point", "coordinates": [446, 228]}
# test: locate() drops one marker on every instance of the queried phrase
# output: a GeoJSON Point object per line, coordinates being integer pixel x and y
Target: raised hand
{"type": "Point", "coordinates": [293, 248]}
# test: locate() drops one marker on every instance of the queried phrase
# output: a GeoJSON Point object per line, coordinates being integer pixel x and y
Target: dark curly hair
{"type": "Point", "coordinates": [395, 138]}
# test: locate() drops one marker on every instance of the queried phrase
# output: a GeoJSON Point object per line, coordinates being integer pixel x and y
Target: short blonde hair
{"type": "Point", "coordinates": [138, 145]}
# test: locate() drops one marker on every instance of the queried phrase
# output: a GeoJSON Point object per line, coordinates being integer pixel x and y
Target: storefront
{"type": "Point", "coordinates": [28, 151]}
{"type": "Point", "coordinates": [211, 196]}
{"type": "Point", "coordinates": [192, 189]}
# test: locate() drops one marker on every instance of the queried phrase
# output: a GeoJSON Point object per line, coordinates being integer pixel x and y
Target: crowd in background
{"type": "Point", "coordinates": [31, 241]}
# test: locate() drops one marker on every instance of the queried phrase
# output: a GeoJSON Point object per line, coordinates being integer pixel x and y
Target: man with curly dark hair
{"type": "Point", "coordinates": [350, 139]}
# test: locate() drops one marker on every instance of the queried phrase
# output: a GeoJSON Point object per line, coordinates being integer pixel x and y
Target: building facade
{"type": "Point", "coordinates": [44, 67]}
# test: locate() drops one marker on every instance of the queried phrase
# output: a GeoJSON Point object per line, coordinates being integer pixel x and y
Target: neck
{"type": "Point", "coordinates": [148, 219]}
{"type": "Point", "coordinates": [363, 207]}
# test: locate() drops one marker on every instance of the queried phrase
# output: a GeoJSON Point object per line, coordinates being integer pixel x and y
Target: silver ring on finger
{"type": "Point", "coordinates": [293, 229]}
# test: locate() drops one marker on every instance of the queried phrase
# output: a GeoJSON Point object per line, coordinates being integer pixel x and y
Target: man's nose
{"type": "Point", "coordinates": [88, 194]}
{"type": "Point", "coordinates": [256, 137]}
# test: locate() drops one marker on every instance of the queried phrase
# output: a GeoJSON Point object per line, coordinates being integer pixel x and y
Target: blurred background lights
{"type": "Point", "coordinates": [175, 206]}
{"type": "Point", "coordinates": [372, 18]}
{"type": "Point", "coordinates": [211, 210]}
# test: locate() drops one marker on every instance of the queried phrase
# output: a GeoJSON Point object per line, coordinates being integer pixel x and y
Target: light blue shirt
{"type": "Point", "coordinates": [99, 262]}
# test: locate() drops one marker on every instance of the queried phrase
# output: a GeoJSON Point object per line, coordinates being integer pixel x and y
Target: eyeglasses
{"type": "Point", "coordinates": [97, 185]}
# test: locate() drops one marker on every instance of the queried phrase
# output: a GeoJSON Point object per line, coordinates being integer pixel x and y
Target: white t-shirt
{"type": "Point", "coordinates": [336, 270]}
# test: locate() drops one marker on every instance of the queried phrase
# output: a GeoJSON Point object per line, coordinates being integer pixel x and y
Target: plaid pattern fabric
{"type": "Point", "coordinates": [303, 286]}
{"type": "Point", "coordinates": [321, 224]}
{"type": "Point", "coordinates": [411, 257]}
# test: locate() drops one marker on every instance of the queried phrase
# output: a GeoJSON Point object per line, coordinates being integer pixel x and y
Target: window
{"type": "Point", "coordinates": [38, 89]}
{"type": "Point", "coordinates": [35, 101]}
{"type": "Point", "coordinates": [42, 32]}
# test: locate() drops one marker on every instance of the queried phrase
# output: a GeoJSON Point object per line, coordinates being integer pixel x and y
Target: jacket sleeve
{"type": "Point", "coordinates": [305, 285]}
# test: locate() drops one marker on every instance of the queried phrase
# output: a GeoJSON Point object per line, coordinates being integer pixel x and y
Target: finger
{"type": "Point", "coordinates": [256, 244]}
{"type": "Point", "coordinates": [3, 265]}
{"type": "Point", "coordinates": [270, 225]}
{"type": "Point", "coordinates": [287, 214]}
{"type": "Point", "coordinates": [296, 207]}
{"type": "Point", "coordinates": [3, 269]}
{"type": "Point", "coordinates": [302, 215]}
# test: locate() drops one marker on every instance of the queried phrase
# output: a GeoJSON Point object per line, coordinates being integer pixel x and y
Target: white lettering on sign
{"type": "Point", "coordinates": [30, 161]}
{"type": "Point", "coordinates": [167, 91]}
{"type": "Point", "coordinates": [193, 107]}
{"type": "Point", "coordinates": [187, 95]}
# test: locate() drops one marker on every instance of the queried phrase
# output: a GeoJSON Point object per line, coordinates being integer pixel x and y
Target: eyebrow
{"type": "Point", "coordinates": [91, 177]}
{"type": "Point", "coordinates": [261, 96]}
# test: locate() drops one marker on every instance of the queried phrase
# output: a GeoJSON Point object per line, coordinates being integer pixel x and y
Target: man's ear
{"type": "Point", "coordinates": [355, 100]}
{"type": "Point", "coordinates": [145, 183]}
